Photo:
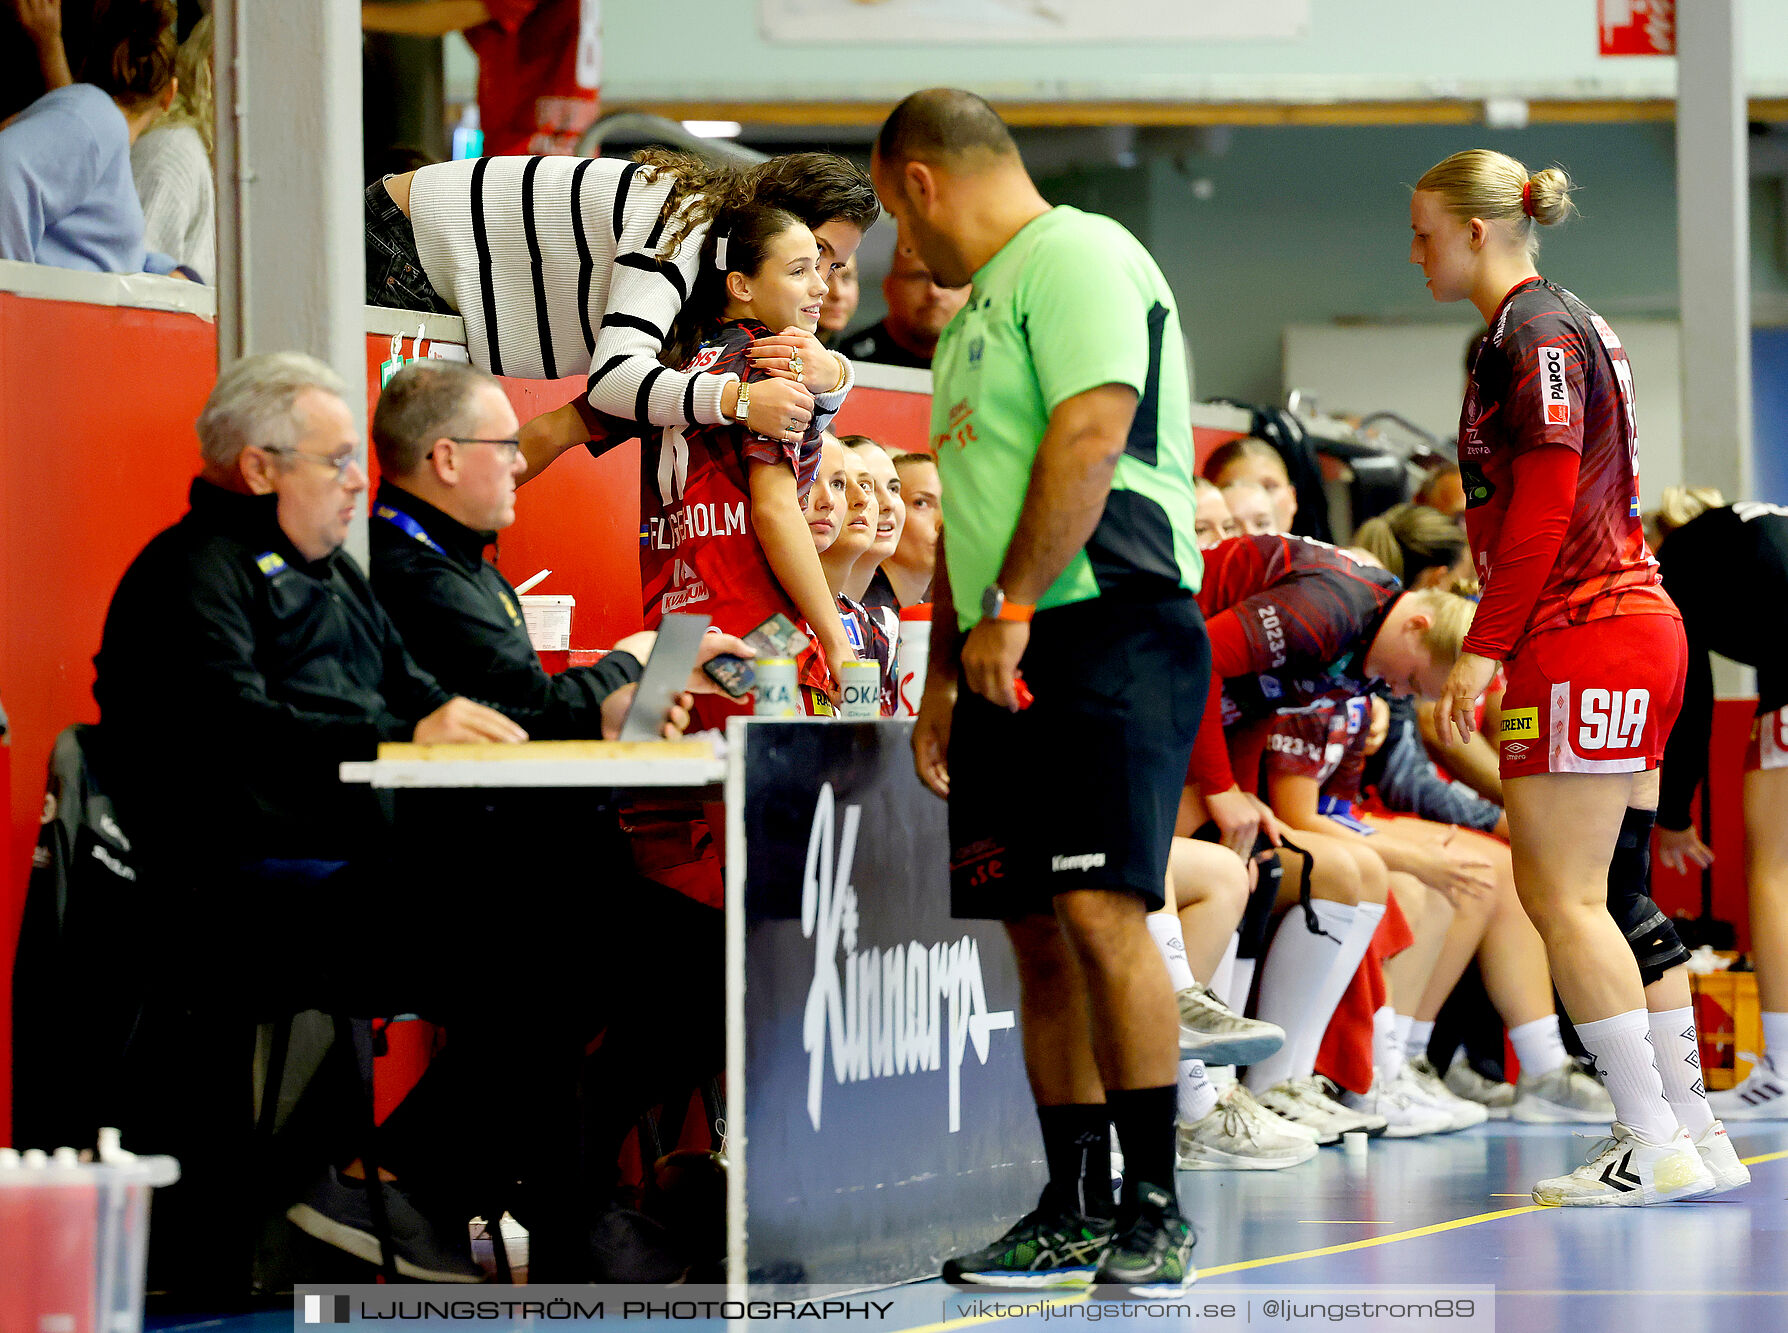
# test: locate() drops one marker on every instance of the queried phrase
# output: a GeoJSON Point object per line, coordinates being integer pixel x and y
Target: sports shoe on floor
{"type": "Point", "coordinates": [1721, 1158]}
{"type": "Point", "coordinates": [1762, 1096]}
{"type": "Point", "coordinates": [1050, 1246]}
{"type": "Point", "coordinates": [1625, 1170]}
{"type": "Point", "coordinates": [1306, 1102]}
{"type": "Point", "coordinates": [1213, 1032]}
{"type": "Point", "coordinates": [340, 1214]}
{"type": "Point", "coordinates": [1419, 1080]}
{"type": "Point", "coordinates": [1152, 1257]}
{"type": "Point", "coordinates": [1234, 1138]}
{"type": "Point", "coordinates": [1267, 1119]}
{"type": "Point", "coordinates": [1565, 1096]}
{"type": "Point", "coordinates": [1405, 1116]}
{"type": "Point", "coordinates": [1326, 1093]}
{"type": "Point", "coordinates": [1466, 1082]}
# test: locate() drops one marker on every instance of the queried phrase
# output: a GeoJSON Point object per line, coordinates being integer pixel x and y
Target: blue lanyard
{"type": "Point", "coordinates": [404, 523]}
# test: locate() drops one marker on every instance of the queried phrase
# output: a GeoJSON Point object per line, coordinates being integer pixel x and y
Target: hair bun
{"type": "Point", "coordinates": [1551, 193]}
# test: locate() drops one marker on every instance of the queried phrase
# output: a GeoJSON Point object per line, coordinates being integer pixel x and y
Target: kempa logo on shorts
{"type": "Point", "coordinates": [1554, 392]}
{"type": "Point", "coordinates": [1521, 722]}
{"type": "Point", "coordinates": [1088, 861]}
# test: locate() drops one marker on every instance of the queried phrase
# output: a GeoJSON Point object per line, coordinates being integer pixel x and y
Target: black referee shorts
{"type": "Point", "coordinates": [1080, 790]}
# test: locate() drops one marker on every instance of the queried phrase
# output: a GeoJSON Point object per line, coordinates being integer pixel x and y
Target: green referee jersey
{"type": "Point", "coordinates": [1071, 302]}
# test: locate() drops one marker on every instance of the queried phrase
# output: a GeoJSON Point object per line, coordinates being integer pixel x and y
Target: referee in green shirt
{"type": "Point", "coordinates": [1069, 664]}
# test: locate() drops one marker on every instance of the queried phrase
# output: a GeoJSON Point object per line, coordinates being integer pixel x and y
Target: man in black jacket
{"type": "Point", "coordinates": [243, 659]}
{"type": "Point", "coordinates": [448, 451]}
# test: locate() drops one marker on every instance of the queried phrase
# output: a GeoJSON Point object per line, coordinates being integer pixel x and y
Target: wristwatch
{"type": "Point", "coordinates": [742, 408]}
{"type": "Point", "coordinates": [994, 606]}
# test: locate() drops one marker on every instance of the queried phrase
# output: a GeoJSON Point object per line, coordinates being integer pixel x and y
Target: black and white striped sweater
{"type": "Point", "coordinates": [553, 263]}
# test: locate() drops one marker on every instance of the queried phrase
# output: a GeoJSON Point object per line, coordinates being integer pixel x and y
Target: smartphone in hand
{"type": "Point", "coordinates": [776, 637]}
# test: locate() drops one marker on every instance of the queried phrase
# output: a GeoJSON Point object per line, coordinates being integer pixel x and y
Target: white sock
{"type": "Point", "coordinates": [1387, 1049]}
{"type": "Point", "coordinates": [1195, 1096]}
{"type": "Point", "coordinates": [1241, 986]}
{"type": "Point", "coordinates": [1303, 979]}
{"type": "Point", "coordinates": [1678, 1055]}
{"type": "Point", "coordinates": [1165, 927]}
{"type": "Point", "coordinates": [1623, 1054]}
{"type": "Point", "coordinates": [1539, 1046]}
{"type": "Point", "coordinates": [1415, 1041]}
{"type": "Point", "coordinates": [1775, 1041]}
{"type": "Point", "coordinates": [1222, 1077]}
{"type": "Point", "coordinates": [1223, 979]}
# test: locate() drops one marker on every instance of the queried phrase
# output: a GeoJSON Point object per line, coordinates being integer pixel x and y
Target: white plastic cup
{"type": "Point", "coordinates": [1353, 1143]}
{"type": "Point", "coordinates": [860, 691]}
{"type": "Point", "coordinates": [775, 689]}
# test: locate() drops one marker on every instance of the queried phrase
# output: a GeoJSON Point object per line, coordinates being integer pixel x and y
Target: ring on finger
{"type": "Point", "coordinates": [794, 363]}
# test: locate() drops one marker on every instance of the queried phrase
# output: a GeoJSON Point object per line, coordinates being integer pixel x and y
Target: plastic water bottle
{"type": "Point", "coordinates": [468, 135]}
{"type": "Point", "coordinates": [911, 657]}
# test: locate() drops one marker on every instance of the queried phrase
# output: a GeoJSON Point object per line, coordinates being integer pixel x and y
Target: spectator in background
{"type": "Point", "coordinates": [918, 310]}
{"type": "Point", "coordinates": [1249, 459]}
{"type": "Point", "coordinates": [914, 562]}
{"type": "Point", "coordinates": [1251, 507]}
{"type": "Point", "coordinates": [1421, 545]}
{"type": "Point", "coordinates": [869, 582]}
{"type": "Point", "coordinates": [1442, 489]}
{"type": "Point", "coordinates": [538, 64]}
{"type": "Point", "coordinates": [66, 195]}
{"type": "Point", "coordinates": [840, 307]}
{"type": "Point", "coordinates": [173, 164]}
{"type": "Point", "coordinates": [1214, 523]}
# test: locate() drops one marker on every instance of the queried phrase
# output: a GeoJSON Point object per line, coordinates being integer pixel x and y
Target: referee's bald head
{"type": "Point", "coordinates": [944, 127]}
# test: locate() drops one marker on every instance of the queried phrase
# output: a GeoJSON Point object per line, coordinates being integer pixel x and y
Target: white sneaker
{"type": "Point", "coordinates": [1564, 1096]}
{"type": "Point", "coordinates": [1464, 1081]}
{"type": "Point", "coordinates": [1213, 1032]}
{"type": "Point", "coordinates": [1405, 1117]}
{"type": "Point", "coordinates": [1419, 1080]}
{"type": "Point", "coordinates": [1231, 1138]}
{"type": "Point", "coordinates": [1762, 1096]}
{"type": "Point", "coordinates": [1277, 1123]}
{"type": "Point", "coordinates": [1720, 1157]}
{"type": "Point", "coordinates": [1306, 1101]}
{"type": "Point", "coordinates": [1625, 1170]}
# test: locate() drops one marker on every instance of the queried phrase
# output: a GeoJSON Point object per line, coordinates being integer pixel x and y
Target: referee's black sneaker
{"type": "Point", "coordinates": [1152, 1257]}
{"type": "Point", "coordinates": [1050, 1246]}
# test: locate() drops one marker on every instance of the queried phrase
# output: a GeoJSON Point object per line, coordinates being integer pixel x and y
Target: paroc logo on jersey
{"type": "Point", "coordinates": [1554, 392]}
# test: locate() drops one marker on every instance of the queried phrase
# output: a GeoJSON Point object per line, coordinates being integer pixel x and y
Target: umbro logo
{"type": "Point", "coordinates": [1616, 1175]}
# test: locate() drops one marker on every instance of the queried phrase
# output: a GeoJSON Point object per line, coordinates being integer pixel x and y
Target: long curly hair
{"type": "Point", "coordinates": [816, 187]}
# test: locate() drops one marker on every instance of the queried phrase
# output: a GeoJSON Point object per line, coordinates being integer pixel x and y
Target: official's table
{"type": "Point", "coordinates": [878, 1115]}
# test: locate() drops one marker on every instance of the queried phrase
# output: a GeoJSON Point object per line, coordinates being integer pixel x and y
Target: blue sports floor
{"type": "Point", "coordinates": [1440, 1211]}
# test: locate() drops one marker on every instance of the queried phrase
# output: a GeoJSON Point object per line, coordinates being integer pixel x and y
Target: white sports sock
{"type": "Point", "coordinates": [1623, 1054]}
{"type": "Point", "coordinates": [1224, 977]}
{"type": "Point", "coordinates": [1241, 986]}
{"type": "Point", "coordinates": [1387, 1049]}
{"type": "Point", "coordinates": [1303, 979]}
{"type": "Point", "coordinates": [1775, 1041]}
{"type": "Point", "coordinates": [1195, 1097]}
{"type": "Point", "coordinates": [1539, 1046]}
{"type": "Point", "coordinates": [1415, 1041]}
{"type": "Point", "coordinates": [1222, 1077]}
{"type": "Point", "coordinates": [1165, 927]}
{"type": "Point", "coordinates": [1678, 1055]}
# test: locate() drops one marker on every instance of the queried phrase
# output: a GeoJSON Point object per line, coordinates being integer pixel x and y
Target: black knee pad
{"type": "Point", "coordinates": [1257, 917]}
{"type": "Point", "coordinates": [1650, 935]}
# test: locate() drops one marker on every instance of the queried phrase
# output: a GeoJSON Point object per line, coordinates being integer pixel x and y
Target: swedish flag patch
{"type": "Point", "coordinates": [270, 563]}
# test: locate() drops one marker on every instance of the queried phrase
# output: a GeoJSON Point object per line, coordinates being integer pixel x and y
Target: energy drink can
{"type": "Point", "coordinates": [775, 686]}
{"type": "Point", "coordinates": [860, 691]}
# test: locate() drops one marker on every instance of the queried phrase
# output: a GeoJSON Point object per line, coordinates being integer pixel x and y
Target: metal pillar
{"type": "Point", "coordinates": [290, 247]}
{"type": "Point", "coordinates": [1714, 246]}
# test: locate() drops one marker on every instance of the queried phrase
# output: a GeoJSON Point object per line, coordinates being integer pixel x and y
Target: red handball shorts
{"type": "Point", "coordinates": [1769, 741]}
{"type": "Point", "coordinates": [1594, 698]}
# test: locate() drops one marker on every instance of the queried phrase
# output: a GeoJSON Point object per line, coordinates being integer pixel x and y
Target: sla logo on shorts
{"type": "Point", "coordinates": [1521, 724]}
{"type": "Point", "coordinates": [1612, 719]}
{"type": "Point", "coordinates": [1554, 393]}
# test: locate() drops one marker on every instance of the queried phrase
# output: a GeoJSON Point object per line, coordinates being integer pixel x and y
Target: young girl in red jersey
{"type": "Point", "coordinates": [1595, 657]}
{"type": "Point", "coordinates": [722, 529]}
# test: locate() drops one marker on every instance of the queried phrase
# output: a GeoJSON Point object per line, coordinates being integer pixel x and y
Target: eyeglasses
{"type": "Point", "coordinates": [512, 446]}
{"type": "Point", "coordinates": [340, 463]}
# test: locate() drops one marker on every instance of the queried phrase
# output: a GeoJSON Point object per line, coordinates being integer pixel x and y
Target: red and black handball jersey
{"type": "Point", "coordinates": [1324, 741]}
{"type": "Point", "coordinates": [698, 550]}
{"type": "Point", "coordinates": [1551, 372]}
{"type": "Point", "coordinates": [1289, 619]}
